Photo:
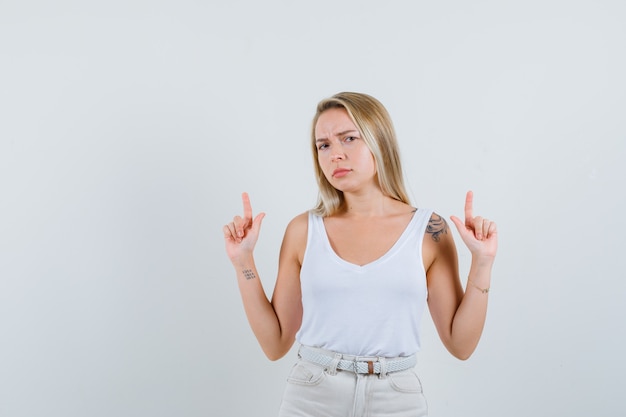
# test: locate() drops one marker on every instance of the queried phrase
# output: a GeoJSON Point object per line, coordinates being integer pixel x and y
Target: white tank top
{"type": "Point", "coordinates": [369, 310]}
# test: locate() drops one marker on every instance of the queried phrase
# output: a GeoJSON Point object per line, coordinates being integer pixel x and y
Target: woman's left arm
{"type": "Point", "coordinates": [459, 316]}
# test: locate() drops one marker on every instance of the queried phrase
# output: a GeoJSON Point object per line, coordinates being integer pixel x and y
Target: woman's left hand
{"type": "Point", "coordinates": [480, 235]}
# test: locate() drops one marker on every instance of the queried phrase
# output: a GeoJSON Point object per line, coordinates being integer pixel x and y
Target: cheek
{"type": "Point", "coordinates": [323, 160]}
{"type": "Point", "coordinates": [322, 164]}
{"type": "Point", "coordinates": [369, 158]}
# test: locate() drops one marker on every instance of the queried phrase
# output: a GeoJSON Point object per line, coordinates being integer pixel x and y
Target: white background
{"type": "Point", "coordinates": [128, 130]}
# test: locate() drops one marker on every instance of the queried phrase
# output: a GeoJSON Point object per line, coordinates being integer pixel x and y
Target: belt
{"type": "Point", "coordinates": [356, 364]}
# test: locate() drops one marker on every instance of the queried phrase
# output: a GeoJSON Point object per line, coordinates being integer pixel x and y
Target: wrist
{"type": "Point", "coordinates": [483, 261]}
{"type": "Point", "coordinates": [482, 289]}
{"type": "Point", "coordinates": [243, 262]}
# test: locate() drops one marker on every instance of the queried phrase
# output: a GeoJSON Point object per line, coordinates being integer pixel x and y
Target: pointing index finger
{"type": "Point", "coordinates": [247, 207]}
{"type": "Point", "coordinates": [469, 211]}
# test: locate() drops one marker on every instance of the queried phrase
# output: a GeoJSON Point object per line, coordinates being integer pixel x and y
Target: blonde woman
{"type": "Point", "coordinates": [357, 272]}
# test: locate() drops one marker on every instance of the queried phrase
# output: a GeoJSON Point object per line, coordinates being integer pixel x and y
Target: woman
{"type": "Point", "coordinates": [356, 272]}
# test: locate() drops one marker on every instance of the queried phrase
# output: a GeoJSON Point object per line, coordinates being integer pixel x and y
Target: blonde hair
{"type": "Point", "coordinates": [376, 128]}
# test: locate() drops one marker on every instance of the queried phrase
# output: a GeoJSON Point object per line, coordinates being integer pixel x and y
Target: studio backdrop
{"type": "Point", "coordinates": [129, 130]}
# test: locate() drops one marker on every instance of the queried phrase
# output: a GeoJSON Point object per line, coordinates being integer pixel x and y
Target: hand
{"type": "Point", "coordinates": [242, 233]}
{"type": "Point", "coordinates": [479, 234]}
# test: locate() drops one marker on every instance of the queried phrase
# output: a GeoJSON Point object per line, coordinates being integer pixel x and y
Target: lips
{"type": "Point", "coordinates": [341, 172]}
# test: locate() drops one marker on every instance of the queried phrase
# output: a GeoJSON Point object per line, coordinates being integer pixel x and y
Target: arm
{"type": "Point", "coordinates": [274, 323]}
{"type": "Point", "coordinates": [460, 316]}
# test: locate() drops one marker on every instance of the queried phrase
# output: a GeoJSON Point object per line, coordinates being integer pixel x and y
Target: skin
{"type": "Point", "coordinates": [366, 227]}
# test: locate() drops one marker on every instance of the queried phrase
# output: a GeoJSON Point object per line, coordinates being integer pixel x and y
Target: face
{"type": "Point", "coordinates": [342, 154]}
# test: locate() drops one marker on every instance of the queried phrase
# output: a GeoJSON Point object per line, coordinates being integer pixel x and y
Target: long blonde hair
{"type": "Point", "coordinates": [376, 128]}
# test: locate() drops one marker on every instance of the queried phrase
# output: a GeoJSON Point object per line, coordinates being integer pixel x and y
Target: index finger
{"type": "Point", "coordinates": [469, 204]}
{"type": "Point", "coordinates": [247, 208]}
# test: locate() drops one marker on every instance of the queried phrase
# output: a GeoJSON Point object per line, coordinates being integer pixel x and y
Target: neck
{"type": "Point", "coordinates": [367, 205]}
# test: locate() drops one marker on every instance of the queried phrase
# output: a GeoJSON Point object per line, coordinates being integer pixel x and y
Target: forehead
{"type": "Point", "coordinates": [333, 121]}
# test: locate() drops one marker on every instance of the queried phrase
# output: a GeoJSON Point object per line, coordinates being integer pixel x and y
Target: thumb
{"type": "Point", "coordinates": [460, 226]}
{"type": "Point", "coordinates": [256, 224]}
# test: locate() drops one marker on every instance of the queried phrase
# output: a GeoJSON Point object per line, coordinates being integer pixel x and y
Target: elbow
{"type": "Point", "coordinates": [276, 353]}
{"type": "Point", "coordinates": [461, 353]}
{"type": "Point", "coordinates": [272, 356]}
{"type": "Point", "coordinates": [462, 356]}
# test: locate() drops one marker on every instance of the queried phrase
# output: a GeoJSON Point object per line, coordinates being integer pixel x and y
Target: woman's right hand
{"type": "Point", "coordinates": [242, 233]}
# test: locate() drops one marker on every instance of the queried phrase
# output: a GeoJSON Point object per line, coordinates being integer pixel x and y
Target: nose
{"type": "Point", "coordinates": [337, 155]}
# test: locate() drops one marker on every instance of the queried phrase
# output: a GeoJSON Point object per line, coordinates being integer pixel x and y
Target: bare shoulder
{"type": "Point", "coordinates": [438, 239]}
{"type": "Point", "coordinates": [437, 228]}
{"type": "Point", "coordinates": [299, 225]}
{"type": "Point", "coordinates": [294, 242]}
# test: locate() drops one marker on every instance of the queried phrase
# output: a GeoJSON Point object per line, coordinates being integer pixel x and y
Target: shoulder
{"type": "Point", "coordinates": [299, 224]}
{"type": "Point", "coordinates": [438, 240]}
{"type": "Point", "coordinates": [437, 228]}
{"type": "Point", "coordinates": [294, 242]}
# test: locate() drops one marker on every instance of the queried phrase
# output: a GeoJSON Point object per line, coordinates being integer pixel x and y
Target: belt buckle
{"type": "Point", "coordinates": [370, 366]}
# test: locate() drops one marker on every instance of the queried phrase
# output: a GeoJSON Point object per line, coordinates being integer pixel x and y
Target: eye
{"type": "Point", "coordinates": [322, 146]}
{"type": "Point", "coordinates": [350, 138]}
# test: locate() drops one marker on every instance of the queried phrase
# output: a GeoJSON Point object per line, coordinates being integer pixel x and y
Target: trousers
{"type": "Point", "coordinates": [313, 390]}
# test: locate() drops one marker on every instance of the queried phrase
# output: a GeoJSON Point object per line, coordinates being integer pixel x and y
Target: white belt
{"type": "Point", "coordinates": [356, 365]}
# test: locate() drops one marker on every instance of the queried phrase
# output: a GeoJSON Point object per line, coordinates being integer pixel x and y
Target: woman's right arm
{"type": "Point", "coordinates": [274, 322]}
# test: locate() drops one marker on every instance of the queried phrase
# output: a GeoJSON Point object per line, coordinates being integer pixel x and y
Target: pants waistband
{"type": "Point", "coordinates": [359, 365]}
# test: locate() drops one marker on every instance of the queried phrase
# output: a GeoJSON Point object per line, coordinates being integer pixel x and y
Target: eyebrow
{"type": "Point", "coordinates": [345, 132]}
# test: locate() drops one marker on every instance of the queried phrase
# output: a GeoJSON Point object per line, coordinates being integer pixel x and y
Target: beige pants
{"type": "Point", "coordinates": [313, 391]}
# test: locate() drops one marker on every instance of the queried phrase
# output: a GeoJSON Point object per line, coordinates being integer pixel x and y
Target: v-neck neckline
{"type": "Point", "coordinates": [390, 252]}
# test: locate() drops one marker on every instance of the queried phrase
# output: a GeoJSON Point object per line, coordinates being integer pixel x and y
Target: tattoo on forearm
{"type": "Point", "coordinates": [249, 274]}
{"type": "Point", "coordinates": [437, 226]}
